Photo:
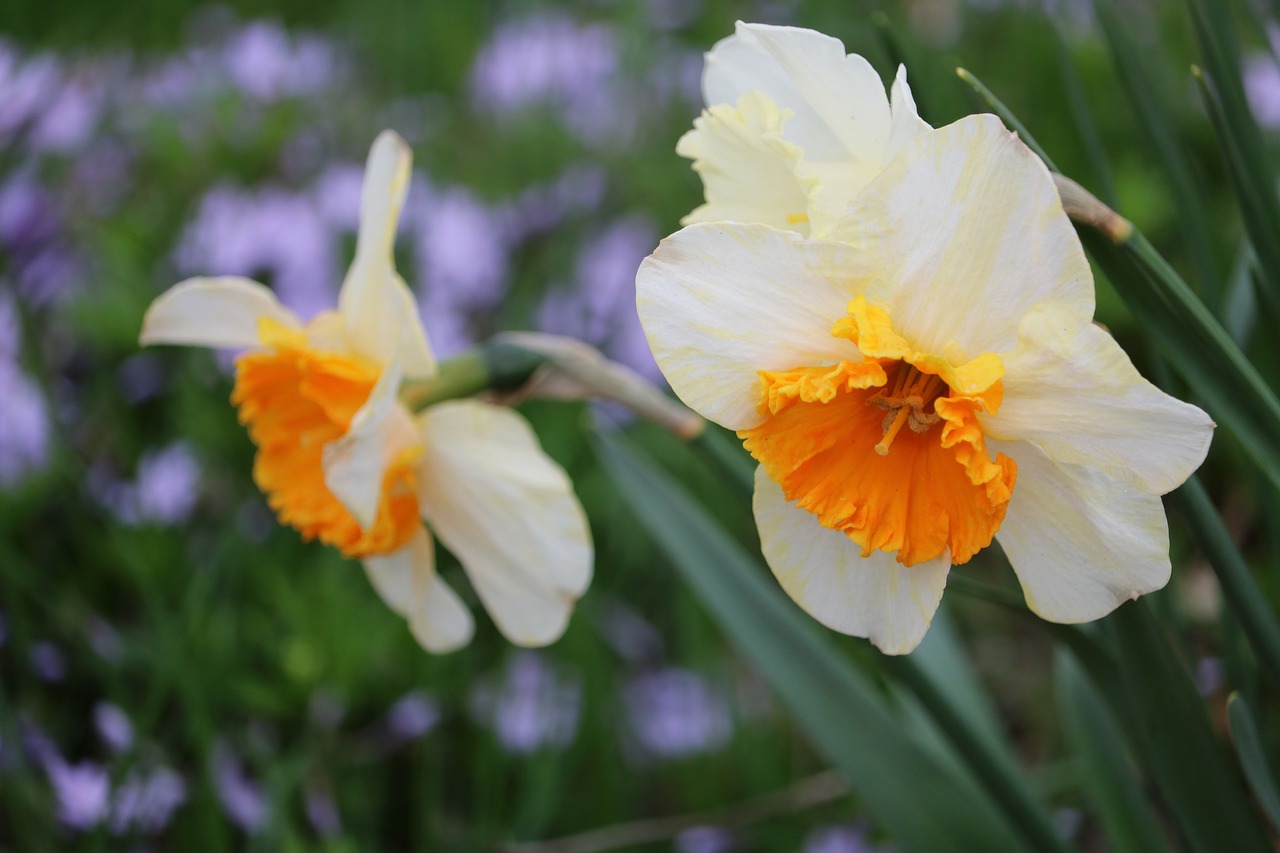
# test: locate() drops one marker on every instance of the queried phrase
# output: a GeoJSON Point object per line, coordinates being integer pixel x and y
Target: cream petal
{"type": "Point", "coordinates": [839, 104]}
{"type": "Point", "coordinates": [354, 465]}
{"type": "Point", "coordinates": [720, 302]}
{"type": "Point", "coordinates": [380, 312]}
{"type": "Point", "coordinates": [508, 513]}
{"type": "Point", "coordinates": [967, 227]}
{"type": "Point", "coordinates": [1081, 543]}
{"type": "Point", "coordinates": [1071, 389]}
{"type": "Point", "coordinates": [825, 573]}
{"type": "Point", "coordinates": [748, 170]}
{"type": "Point", "coordinates": [213, 312]}
{"type": "Point", "coordinates": [407, 582]}
{"type": "Point", "coordinates": [905, 124]}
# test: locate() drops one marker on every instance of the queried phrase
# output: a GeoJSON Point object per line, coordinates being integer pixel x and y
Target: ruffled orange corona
{"type": "Point", "coordinates": [295, 400]}
{"type": "Point", "coordinates": [885, 450]}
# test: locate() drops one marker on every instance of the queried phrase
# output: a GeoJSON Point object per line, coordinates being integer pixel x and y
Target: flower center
{"type": "Point", "coordinates": [888, 449]}
{"type": "Point", "coordinates": [294, 400]}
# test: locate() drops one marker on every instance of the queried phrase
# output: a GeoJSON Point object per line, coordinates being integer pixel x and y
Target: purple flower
{"type": "Point", "coordinates": [272, 231]}
{"type": "Point", "coordinates": [674, 712]}
{"type": "Point", "coordinates": [241, 797]}
{"type": "Point", "coordinates": [412, 716]}
{"type": "Point", "coordinates": [24, 427]}
{"type": "Point", "coordinates": [322, 811]}
{"type": "Point", "coordinates": [705, 839]}
{"type": "Point", "coordinates": [164, 491]}
{"type": "Point", "coordinates": [264, 62]}
{"type": "Point", "coordinates": [146, 800]}
{"type": "Point", "coordinates": [842, 838]}
{"type": "Point", "coordinates": [67, 122]}
{"type": "Point", "coordinates": [1262, 86]}
{"type": "Point", "coordinates": [82, 791]}
{"type": "Point", "coordinates": [48, 662]}
{"type": "Point", "coordinates": [534, 705]}
{"type": "Point", "coordinates": [28, 86]}
{"type": "Point", "coordinates": [113, 726]}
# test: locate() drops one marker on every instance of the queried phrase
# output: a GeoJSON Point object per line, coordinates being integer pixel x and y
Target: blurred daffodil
{"type": "Point", "coordinates": [926, 381]}
{"type": "Point", "coordinates": [343, 460]}
{"type": "Point", "coordinates": [794, 128]}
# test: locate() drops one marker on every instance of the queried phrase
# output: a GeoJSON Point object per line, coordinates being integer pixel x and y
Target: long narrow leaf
{"type": "Point", "coordinates": [1177, 744]}
{"type": "Point", "coordinates": [1253, 758]}
{"type": "Point", "coordinates": [923, 803]}
{"type": "Point", "coordinates": [1111, 784]}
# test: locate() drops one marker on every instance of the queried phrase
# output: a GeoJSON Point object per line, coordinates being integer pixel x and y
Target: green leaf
{"type": "Point", "coordinates": [1253, 758]}
{"type": "Point", "coordinates": [1173, 735]}
{"type": "Point", "coordinates": [1154, 121]}
{"type": "Point", "coordinates": [1109, 780]}
{"type": "Point", "coordinates": [1241, 590]}
{"type": "Point", "coordinates": [924, 803]}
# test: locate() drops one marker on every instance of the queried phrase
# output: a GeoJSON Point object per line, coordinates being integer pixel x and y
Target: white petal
{"type": "Point", "coordinates": [354, 465]}
{"type": "Point", "coordinates": [825, 573]}
{"type": "Point", "coordinates": [1071, 389]}
{"type": "Point", "coordinates": [721, 301]}
{"type": "Point", "coordinates": [967, 227]}
{"type": "Point", "coordinates": [509, 514]}
{"type": "Point", "coordinates": [213, 312]}
{"type": "Point", "coordinates": [1080, 542]}
{"type": "Point", "coordinates": [407, 581]}
{"type": "Point", "coordinates": [747, 168]}
{"type": "Point", "coordinates": [906, 123]}
{"type": "Point", "coordinates": [840, 108]}
{"type": "Point", "coordinates": [381, 314]}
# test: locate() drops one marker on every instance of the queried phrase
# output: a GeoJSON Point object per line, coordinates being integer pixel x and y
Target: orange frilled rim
{"type": "Point", "coordinates": [294, 400]}
{"type": "Point", "coordinates": [884, 449]}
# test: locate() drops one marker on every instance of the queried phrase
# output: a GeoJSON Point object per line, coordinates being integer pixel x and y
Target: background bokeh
{"type": "Point", "coordinates": [178, 672]}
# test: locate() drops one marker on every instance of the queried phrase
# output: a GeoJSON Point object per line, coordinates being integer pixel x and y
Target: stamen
{"type": "Point", "coordinates": [797, 218]}
{"type": "Point", "coordinates": [898, 420]}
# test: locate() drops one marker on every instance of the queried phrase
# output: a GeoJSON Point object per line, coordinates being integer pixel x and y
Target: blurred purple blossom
{"type": "Point", "coordinates": [705, 839]}
{"type": "Point", "coordinates": [82, 791]}
{"type": "Point", "coordinates": [241, 797]}
{"type": "Point", "coordinates": [29, 84]}
{"type": "Point", "coordinates": [534, 706]}
{"type": "Point", "coordinates": [633, 638]}
{"type": "Point", "coordinates": [146, 800]}
{"type": "Point", "coordinates": [601, 307]}
{"type": "Point", "coordinates": [412, 716]}
{"type": "Point", "coordinates": [1262, 86]}
{"type": "Point", "coordinates": [24, 426]}
{"type": "Point", "coordinates": [322, 811]}
{"type": "Point", "coordinates": [549, 60]}
{"type": "Point", "coordinates": [104, 639]}
{"type": "Point", "coordinates": [47, 661]}
{"type": "Point", "coordinates": [674, 712]}
{"type": "Point", "coordinates": [266, 62]}
{"type": "Point", "coordinates": [272, 231]}
{"type": "Point", "coordinates": [113, 726]}
{"type": "Point", "coordinates": [165, 487]}
{"type": "Point", "coordinates": [1210, 675]}
{"type": "Point", "coordinates": [842, 838]}
{"type": "Point", "coordinates": [68, 120]}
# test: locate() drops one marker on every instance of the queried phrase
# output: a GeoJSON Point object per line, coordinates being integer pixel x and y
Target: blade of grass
{"type": "Point", "coordinates": [1253, 758]}
{"type": "Point", "coordinates": [1248, 165]}
{"type": "Point", "coordinates": [1244, 596]}
{"type": "Point", "coordinates": [1176, 741]}
{"type": "Point", "coordinates": [1153, 120]}
{"type": "Point", "coordinates": [1111, 785]}
{"type": "Point", "coordinates": [923, 803]}
{"type": "Point", "coordinates": [1007, 116]}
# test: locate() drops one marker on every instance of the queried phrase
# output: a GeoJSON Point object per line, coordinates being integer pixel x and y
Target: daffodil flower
{"type": "Point", "coordinates": [794, 128]}
{"type": "Point", "coordinates": [929, 380]}
{"type": "Point", "coordinates": [343, 460]}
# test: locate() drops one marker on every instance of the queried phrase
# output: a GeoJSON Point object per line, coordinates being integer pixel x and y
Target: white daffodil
{"type": "Point", "coordinates": [927, 381]}
{"type": "Point", "coordinates": [342, 459]}
{"type": "Point", "coordinates": [794, 128]}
